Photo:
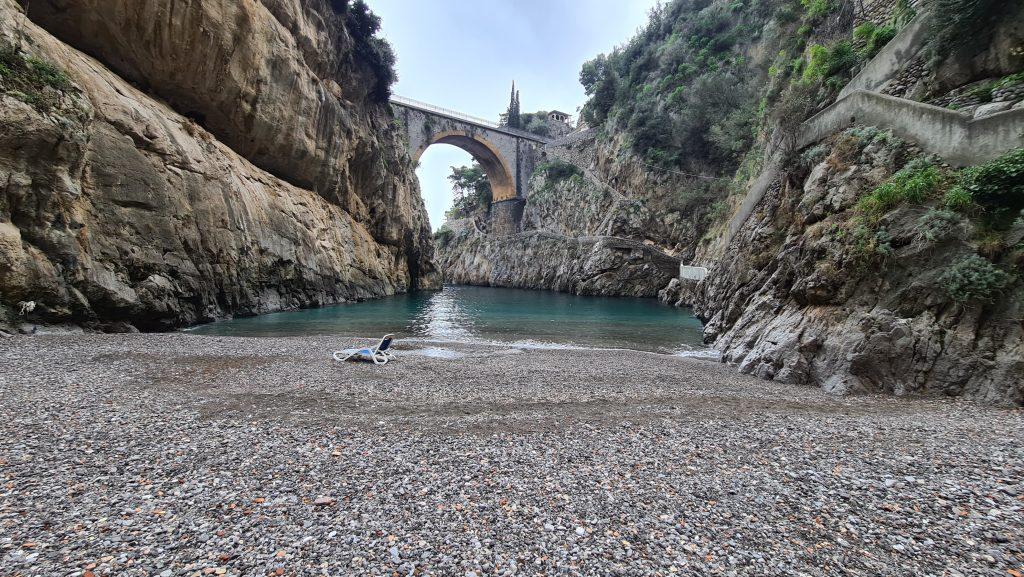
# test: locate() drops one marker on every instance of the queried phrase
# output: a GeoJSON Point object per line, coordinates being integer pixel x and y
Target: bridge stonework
{"type": "Point", "coordinates": [507, 156]}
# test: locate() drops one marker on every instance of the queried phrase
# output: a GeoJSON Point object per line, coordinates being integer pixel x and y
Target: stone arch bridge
{"type": "Point", "coordinates": [507, 155]}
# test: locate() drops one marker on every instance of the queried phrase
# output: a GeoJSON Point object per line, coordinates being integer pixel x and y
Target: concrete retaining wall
{"type": "Point", "coordinates": [769, 176]}
{"type": "Point", "coordinates": [954, 136]}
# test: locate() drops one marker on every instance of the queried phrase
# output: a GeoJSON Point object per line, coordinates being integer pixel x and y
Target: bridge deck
{"type": "Point", "coordinates": [455, 115]}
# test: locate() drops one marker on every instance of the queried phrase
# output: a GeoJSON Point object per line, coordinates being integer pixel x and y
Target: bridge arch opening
{"type": "Point", "coordinates": [497, 169]}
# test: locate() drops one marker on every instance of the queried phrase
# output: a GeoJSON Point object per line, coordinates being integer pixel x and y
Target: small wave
{"type": "Point", "coordinates": [699, 354]}
{"type": "Point", "coordinates": [437, 353]}
{"type": "Point", "coordinates": [529, 344]}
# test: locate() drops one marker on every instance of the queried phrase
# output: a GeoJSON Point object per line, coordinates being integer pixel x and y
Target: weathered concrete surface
{"type": "Point", "coordinates": [117, 210]}
{"type": "Point", "coordinates": [956, 137]}
{"type": "Point", "coordinates": [694, 273]}
{"type": "Point", "coordinates": [507, 157]}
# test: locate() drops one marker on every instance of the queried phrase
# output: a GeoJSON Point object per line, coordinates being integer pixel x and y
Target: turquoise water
{"type": "Point", "coordinates": [477, 314]}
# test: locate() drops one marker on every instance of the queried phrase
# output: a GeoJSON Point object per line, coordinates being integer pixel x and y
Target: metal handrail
{"type": "Point", "coordinates": [403, 101]}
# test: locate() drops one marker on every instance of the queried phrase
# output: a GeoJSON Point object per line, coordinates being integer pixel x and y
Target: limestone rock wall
{"type": "Point", "coordinates": [116, 209]}
{"type": "Point", "coordinates": [569, 241]}
{"type": "Point", "coordinates": [603, 266]}
{"type": "Point", "coordinates": [793, 298]}
{"type": "Point", "coordinates": [280, 82]}
{"type": "Point", "coordinates": [635, 200]}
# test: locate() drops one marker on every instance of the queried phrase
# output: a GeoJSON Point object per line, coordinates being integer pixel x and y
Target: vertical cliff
{"type": "Point", "coordinates": [166, 163]}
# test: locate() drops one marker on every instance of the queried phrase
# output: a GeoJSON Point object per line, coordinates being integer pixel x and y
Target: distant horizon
{"type": "Point", "coordinates": [465, 56]}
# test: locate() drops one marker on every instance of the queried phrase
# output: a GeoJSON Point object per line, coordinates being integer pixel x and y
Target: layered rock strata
{"type": "Point", "coordinates": [205, 181]}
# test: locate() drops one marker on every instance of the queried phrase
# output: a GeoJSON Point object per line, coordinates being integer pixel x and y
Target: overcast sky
{"type": "Point", "coordinates": [464, 55]}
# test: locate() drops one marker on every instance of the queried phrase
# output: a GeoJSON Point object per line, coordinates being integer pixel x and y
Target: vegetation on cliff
{"type": "Point", "coordinates": [36, 82]}
{"type": "Point", "coordinates": [705, 81]}
{"type": "Point", "coordinates": [976, 205]}
{"type": "Point", "coordinates": [363, 25]}
{"type": "Point", "coordinates": [514, 117]}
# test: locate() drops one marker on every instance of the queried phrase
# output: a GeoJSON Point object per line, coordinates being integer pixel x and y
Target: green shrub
{"type": "Point", "coordinates": [902, 14]}
{"type": "Point", "coordinates": [558, 170]}
{"type": "Point", "coordinates": [937, 224]}
{"type": "Point", "coordinates": [443, 236]}
{"type": "Point", "coordinates": [1011, 80]}
{"type": "Point", "coordinates": [30, 79]}
{"type": "Point", "coordinates": [48, 74]}
{"type": "Point", "coordinates": [371, 50]}
{"type": "Point", "coordinates": [874, 37]}
{"type": "Point", "coordinates": [982, 92]}
{"type": "Point", "coordinates": [867, 245]}
{"type": "Point", "coordinates": [914, 183]}
{"type": "Point", "coordinates": [813, 155]}
{"type": "Point", "coordinates": [824, 63]}
{"type": "Point", "coordinates": [998, 187]}
{"type": "Point", "coordinates": [817, 8]}
{"type": "Point", "coordinates": [974, 278]}
{"type": "Point", "coordinates": [959, 199]}
{"type": "Point", "coordinates": [866, 135]}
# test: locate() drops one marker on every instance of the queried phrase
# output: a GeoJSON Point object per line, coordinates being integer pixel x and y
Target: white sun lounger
{"type": "Point", "coordinates": [378, 355]}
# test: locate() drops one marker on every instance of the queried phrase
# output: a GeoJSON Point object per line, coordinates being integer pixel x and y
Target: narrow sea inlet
{"type": "Point", "coordinates": [478, 314]}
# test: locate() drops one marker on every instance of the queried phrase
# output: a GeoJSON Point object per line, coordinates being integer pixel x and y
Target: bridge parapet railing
{"type": "Point", "coordinates": [403, 101]}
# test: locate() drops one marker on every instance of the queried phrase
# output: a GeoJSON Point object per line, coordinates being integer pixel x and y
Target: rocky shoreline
{"type": "Point", "coordinates": [174, 454]}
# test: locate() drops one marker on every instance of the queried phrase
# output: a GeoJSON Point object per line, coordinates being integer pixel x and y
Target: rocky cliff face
{"type": "Point", "coordinates": [808, 293]}
{"type": "Point", "coordinates": [568, 243]}
{"type": "Point", "coordinates": [254, 173]}
{"type": "Point", "coordinates": [629, 198]}
{"type": "Point", "coordinates": [597, 266]}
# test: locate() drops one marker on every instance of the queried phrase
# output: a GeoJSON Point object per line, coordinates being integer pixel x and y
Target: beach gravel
{"type": "Point", "coordinates": [181, 455]}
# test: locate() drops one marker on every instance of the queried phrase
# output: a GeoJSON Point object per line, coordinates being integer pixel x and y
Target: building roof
{"type": "Point", "coordinates": [559, 112]}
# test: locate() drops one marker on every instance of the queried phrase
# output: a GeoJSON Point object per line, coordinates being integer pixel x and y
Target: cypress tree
{"type": "Point", "coordinates": [511, 116]}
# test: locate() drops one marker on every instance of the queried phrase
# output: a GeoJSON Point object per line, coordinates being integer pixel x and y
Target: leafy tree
{"type": "Point", "coordinates": [471, 189]}
{"type": "Point", "coordinates": [536, 122]}
{"type": "Point", "coordinates": [997, 187]}
{"type": "Point", "coordinates": [593, 72]}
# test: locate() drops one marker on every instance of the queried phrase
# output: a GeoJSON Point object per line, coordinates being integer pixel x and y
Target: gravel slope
{"type": "Point", "coordinates": [184, 455]}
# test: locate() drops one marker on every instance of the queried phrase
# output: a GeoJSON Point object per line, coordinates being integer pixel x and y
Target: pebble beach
{"type": "Point", "coordinates": [181, 455]}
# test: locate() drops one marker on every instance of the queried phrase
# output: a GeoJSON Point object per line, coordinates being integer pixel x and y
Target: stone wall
{"type": "Point", "coordinates": [880, 11]}
{"type": "Point", "coordinates": [892, 59]}
{"type": "Point", "coordinates": [506, 216]}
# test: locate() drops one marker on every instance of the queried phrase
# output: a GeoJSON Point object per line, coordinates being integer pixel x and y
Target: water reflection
{"type": "Point", "coordinates": [492, 315]}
